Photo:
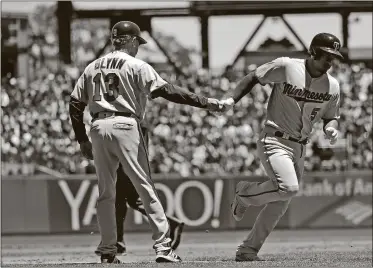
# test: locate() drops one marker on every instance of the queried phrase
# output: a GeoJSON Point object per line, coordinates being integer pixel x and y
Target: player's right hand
{"type": "Point", "coordinates": [86, 149]}
{"type": "Point", "coordinates": [214, 105]}
{"type": "Point", "coordinates": [331, 134]}
{"type": "Point", "coordinates": [225, 106]}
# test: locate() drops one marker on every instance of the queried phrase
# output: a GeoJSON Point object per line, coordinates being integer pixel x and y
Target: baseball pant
{"type": "Point", "coordinates": [127, 194]}
{"type": "Point", "coordinates": [283, 161]}
{"type": "Point", "coordinates": [115, 140]}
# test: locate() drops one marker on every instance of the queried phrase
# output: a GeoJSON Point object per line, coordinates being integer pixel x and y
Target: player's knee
{"type": "Point", "coordinates": [106, 197]}
{"type": "Point", "coordinates": [105, 201]}
{"type": "Point", "coordinates": [291, 191]}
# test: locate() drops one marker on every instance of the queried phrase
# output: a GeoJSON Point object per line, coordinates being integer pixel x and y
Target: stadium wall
{"type": "Point", "coordinates": [48, 205]}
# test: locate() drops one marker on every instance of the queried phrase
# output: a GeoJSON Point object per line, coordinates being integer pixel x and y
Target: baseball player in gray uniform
{"type": "Point", "coordinates": [303, 93]}
{"type": "Point", "coordinates": [127, 196]}
{"type": "Point", "coordinates": [116, 87]}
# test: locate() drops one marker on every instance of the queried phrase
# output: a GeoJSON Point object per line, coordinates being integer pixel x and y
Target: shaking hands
{"type": "Point", "coordinates": [220, 106]}
{"type": "Point", "coordinates": [227, 104]}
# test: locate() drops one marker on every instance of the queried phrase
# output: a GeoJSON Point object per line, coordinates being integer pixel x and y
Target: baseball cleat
{"type": "Point", "coordinates": [167, 256]}
{"type": "Point", "coordinates": [238, 210]}
{"type": "Point", "coordinates": [121, 249]}
{"type": "Point", "coordinates": [176, 229]}
{"type": "Point", "coordinates": [241, 257]}
{"type": "Point", "coordinates": [106, 258]}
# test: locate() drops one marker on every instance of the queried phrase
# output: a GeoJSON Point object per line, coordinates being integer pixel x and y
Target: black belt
{"type": "Point", "coordinates": [287, 137]}
{"type": "Point", "coordinates": [96, 115]}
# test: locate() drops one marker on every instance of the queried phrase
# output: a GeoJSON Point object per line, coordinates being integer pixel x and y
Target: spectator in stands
{"type": "Point", "coordinates": [35, 126]}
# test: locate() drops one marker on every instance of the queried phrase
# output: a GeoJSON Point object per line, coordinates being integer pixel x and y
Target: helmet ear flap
{"type": "Point", "coordinates": [312, 51]}
{"type": "Point", "coordinates": [315, 52]}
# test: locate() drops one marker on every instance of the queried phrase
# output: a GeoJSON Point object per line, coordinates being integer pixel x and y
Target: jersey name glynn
{"type": "Point", "coordinates": [109, 63]}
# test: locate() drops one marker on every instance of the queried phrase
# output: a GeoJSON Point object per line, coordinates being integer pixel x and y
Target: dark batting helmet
{"type": "Point", "coordinates": [327, 43]}
{"type": "Point", "coordinates": [123, 28]}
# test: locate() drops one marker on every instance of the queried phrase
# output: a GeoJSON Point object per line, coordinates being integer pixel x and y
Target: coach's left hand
{"type": "Point", "coordinates": [331, 134]}
{"type": "Point", "coordinates": [214, 105]}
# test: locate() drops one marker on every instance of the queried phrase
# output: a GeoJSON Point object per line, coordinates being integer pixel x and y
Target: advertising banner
{"type": "Point", "coordinates": [343, 200]}
{"type": "Point", "coordinates": [50, 205]}
{"type": "Point", "coordinates": [24, 206]}
{"type": "Point", "coordinates": [72, 205]}
{"type": "Point", "coordinates": [198, 203]}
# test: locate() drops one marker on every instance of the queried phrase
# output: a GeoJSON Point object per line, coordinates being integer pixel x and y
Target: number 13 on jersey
{"type": "Point", "coordinates": [111, 87]}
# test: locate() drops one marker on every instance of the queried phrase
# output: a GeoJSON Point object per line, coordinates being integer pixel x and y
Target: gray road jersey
{"type": "Point", "coordinates": [297, 100]}
{"type": "Point", "coordinates": [117, 82]}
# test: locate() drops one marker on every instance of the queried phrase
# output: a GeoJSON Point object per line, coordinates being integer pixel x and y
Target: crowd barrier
{"type": "Point", "coordinates": [44, 204]}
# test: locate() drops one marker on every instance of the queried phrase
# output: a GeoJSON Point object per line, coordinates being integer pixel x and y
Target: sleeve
{"type": "Point", "coordinates": [80, 90]}
{"type": "Point", "coordinates": [149, 79]}
{"type": "Point", "coordinates": [271, 72]}
{"type": "Point", "coordinates": [333, 107]}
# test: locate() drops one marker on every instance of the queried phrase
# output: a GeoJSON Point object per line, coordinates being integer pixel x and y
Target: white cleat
{"type": "Point", "coordinates": [167, 256]}
{"type": "Point", "coordinates": [238, 210]}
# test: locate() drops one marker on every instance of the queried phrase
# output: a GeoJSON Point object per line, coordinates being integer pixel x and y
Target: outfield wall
{"type": "Point", "coordinates": [48, 205]}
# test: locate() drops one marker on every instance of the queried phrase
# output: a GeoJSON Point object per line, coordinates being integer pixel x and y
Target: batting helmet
{"type": "Point", "coordinates": [127, 28]}
{"type": "Point", "coordinates": [327, 43]}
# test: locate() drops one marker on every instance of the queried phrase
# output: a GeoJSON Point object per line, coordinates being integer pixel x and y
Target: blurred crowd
{"type": "Point", "coordinates": [36, 127]}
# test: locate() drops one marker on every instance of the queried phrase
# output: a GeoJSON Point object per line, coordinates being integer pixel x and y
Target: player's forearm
{"type": "Point", "coordinates": [179, 95]}
{"type": "Point", "coordinates": [330, 123]}
{"type": "Point", "coordinates": [76, 110]}
{"type": "Point", "coordinates": [243, 87]}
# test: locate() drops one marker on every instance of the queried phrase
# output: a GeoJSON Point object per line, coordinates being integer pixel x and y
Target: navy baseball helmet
{"type": "Point", "coordinates": [326, 42]}
{"type": "Point", "coordinates": [127, 28]}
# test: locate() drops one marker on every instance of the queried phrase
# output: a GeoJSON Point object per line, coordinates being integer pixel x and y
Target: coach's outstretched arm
{"type": "Point", "coordinates": [183, 96]}
{"type": "Point", "coordinates": [154, 86]}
